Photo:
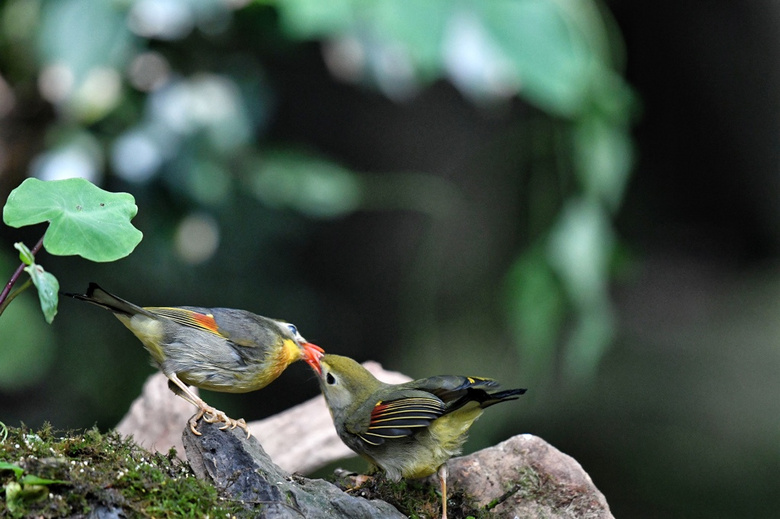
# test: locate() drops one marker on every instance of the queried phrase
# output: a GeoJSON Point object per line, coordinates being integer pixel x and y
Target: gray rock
{"type": "Point", "coordinates": [527, 477]}
{"type": "Point", "coordinates": [241, 470]}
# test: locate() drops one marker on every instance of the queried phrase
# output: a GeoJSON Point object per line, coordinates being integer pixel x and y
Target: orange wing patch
{"type": "Point", "coordinates": [401, 417]}
{"type": "Point", "coordinates": [184, 317]}
{"type": "Point", "coordinates": [206, 321]}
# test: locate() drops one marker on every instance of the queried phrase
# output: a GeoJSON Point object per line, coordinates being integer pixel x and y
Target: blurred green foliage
{"type": "Point", "coordinates": [434, 185]}
{"type": "Point", "coordinates": [558, 56]}
{"type": "Point", "coordinates": [175, 94]}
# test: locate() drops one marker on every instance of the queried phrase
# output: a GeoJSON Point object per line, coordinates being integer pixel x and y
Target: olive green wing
{"type": "Point", "coordinates": [401, 415]}
{"type": "Point", "coordinates": [239, 327]}
{"type": "Point", "coordinates": [198, 318]}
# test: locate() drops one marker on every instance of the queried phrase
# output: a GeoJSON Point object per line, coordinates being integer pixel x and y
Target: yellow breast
{"type": "Point", "coordinates": [276, 363]}
{"type": "Point", "coordinates": [446, 437]}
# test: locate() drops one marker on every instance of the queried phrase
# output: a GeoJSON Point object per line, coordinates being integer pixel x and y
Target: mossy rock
{"type": "Point", "coordinates": [48, 473]}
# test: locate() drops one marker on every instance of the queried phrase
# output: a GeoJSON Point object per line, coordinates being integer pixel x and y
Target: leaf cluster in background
{"type": "Point", "coordinates": [176, 94]}
{"type": "Point", "coordinates": [557, 55]}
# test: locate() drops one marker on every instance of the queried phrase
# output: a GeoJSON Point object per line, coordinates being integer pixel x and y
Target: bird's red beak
{"type": "Point", "coordinates": [312, 354]}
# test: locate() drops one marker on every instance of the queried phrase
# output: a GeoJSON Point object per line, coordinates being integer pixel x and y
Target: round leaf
{"type": "Point", "coordinates": [83, 219]}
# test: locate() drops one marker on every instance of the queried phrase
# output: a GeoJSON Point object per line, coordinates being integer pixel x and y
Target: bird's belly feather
{"type": "Point", "coordinates": [442, 440]}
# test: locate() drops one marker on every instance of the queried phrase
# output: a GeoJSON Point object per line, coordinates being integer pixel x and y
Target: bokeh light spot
{"type": "Point", "coordinates": [197, 238]}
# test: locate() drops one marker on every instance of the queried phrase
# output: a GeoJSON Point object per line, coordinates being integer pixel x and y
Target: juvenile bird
{"type": "Point", "coordinates": [409, 430]}
{"type": "Point", "coordinates": [220, 349]}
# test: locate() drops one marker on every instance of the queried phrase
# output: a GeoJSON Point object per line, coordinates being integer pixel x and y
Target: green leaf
{"type": "Point", "coordinates": [308, 184]}
{"type": "Point", "coordinates": [29, 479]}
{"type": "Point", "coordinates": [17, 496]}
{"type": "Point", "coordinates": [4, 465]}
{"type": "Point", "coordinates": [93, 42]}
{"type": "Point", "coordinates": [603, 153]}
{"type": "Point", "coordinates": [26, 342]}
{"type": "Point", "coordinates": [418, 27]}
{"type": "Point", "coordinates": [579, 249]}
{"type": "Point", "coordinates": [553, 53]}
{"type": "Point", "coordinates": [84, 219]}
{"type": "Point", "coordinates": [546, 49]}
{"type": "Point", "coordinates": [12, 498]}
{"type": "Point", "coordinates": [592, 333]}
{"type": "Point", "coordinates": [48, 289]}
{"type": "Point", "coordinates": [314, 18]}
{"type": "Point", "coordinates": [535, 307]}
{"type": "Point", "coordinates": [25, 255]}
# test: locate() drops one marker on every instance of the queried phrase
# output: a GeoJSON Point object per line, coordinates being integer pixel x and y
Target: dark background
{"type": "Point", "coordinates": [680, 416]}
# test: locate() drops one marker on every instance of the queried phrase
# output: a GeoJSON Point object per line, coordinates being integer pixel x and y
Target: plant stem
{"type": "Point", "coordinates": [13, 295]}
{"type": "Point", "coordinates": [15, 276]}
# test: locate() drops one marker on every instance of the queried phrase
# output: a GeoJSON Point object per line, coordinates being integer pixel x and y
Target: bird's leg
{"type": "Point", "coordinates": [208, 413]}
{"type": "Point", "coordinates": [443, 482]}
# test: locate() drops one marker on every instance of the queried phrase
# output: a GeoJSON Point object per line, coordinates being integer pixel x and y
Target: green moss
{"type": "Point", "coordinates": [47, 473]}
{"type": "Point", "coordinates": [417, 499]}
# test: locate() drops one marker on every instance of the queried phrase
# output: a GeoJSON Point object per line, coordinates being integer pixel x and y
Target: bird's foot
{"type": "Point", "coordinates": [351, 481]}
{"type": "Point", "coordinates": [213, 415]}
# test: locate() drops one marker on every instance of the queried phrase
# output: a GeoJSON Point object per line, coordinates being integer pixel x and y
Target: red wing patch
{"type": "Point", "coordinates": [401, 417]}
{"type": "Point", "coordinates": [206, 321]}
{"type": "Point", "coordinates": [189, 318]}
{"type": "Point", "coordinates": [377, 411]}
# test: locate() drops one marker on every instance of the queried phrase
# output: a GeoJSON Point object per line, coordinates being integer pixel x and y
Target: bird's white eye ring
{"type": "Point", "coordinates": [292, 329]}
{"type": "Point", "coordinates": [330, 379]}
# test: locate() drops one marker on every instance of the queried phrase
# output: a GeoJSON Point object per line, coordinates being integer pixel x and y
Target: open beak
{"type": "Point", "coordinates": [312, 354]}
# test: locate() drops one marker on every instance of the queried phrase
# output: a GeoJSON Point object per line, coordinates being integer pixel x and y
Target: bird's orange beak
{"type": "Point", "coordinates": [312, 354]}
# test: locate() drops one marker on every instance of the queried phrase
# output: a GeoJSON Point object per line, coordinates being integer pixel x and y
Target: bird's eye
{"type": "Point", "coordinates": [293, 329]}
{"type": "Point", "coordinates": [330, 379]}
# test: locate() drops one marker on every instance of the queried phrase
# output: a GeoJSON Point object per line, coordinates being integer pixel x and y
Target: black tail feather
{"type": "Point", "coordinates": [502, 396]}
{"type": "Point", "coordinates": [98, 296]}
{"type": "Point", "coordinates": [484, 398]}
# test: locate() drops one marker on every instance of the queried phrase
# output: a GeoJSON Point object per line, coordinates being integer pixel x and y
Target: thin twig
{"type": "Point", "coordinates": [13, 294]}
{"type": "Point", "coordinates": [15, 276]}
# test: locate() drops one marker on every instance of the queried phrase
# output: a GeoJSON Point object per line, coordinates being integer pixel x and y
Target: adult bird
{"type": "Point", "coordinates": [219, 349]}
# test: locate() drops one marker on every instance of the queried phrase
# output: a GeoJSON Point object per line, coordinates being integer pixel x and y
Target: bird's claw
{"type": "Point", "coordinates": [212, 415]}
{"type": "Point", "coordinates": [351, 481]}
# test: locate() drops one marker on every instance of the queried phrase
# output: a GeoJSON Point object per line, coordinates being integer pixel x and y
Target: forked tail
{"type": "Point", "coordinates": [502, 396]}
{"type": "Point", "coordinates": [98, 296]}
